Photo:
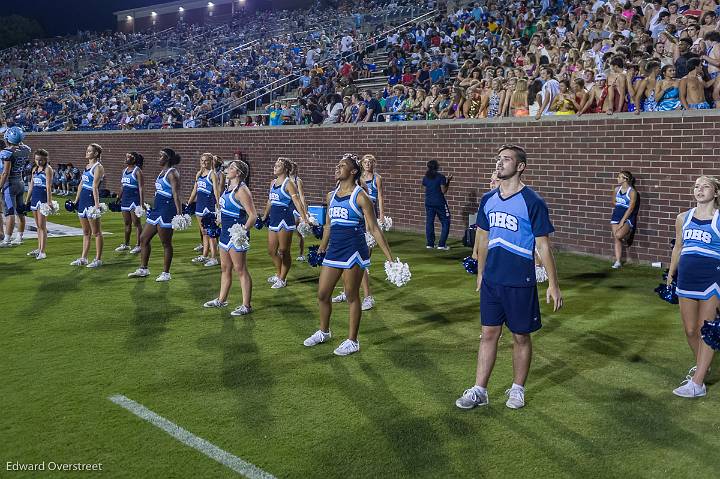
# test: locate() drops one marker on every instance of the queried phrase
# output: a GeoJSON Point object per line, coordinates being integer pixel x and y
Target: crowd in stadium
{"type": "Point", "coordinates": [485, 59]}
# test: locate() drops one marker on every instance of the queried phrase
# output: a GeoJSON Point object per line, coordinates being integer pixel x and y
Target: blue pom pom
{"type": "Point", "coordinates": [667, 293]}
{"type": "Point", "coordinates": [213, 231]}
{"type": "Point", "coordinates": [314, 258]}
{"type": "Point", "coordinates": [710, 333]}
{"type": "Point", "coordinates": [470, 264]}
{"type": "Point", "coordinates": [259, 223]}
{"type": "Point", "coordinates": [318, 231]}
{"type": "Point", "coordinates": [70, 206]}
{"type": "Point", "coordinates": [189, 208]}
{"type": "Point", "coordinates": [208, 220]}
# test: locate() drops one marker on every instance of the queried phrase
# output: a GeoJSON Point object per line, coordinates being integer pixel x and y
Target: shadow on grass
{"type": "Point", "coordinates": [151, 315]}
{"type": "Point", "coordinates": [48, 294]}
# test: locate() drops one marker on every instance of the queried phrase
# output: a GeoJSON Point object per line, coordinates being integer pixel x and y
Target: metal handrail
{"type": "Point", "coordinates": [223, 113]}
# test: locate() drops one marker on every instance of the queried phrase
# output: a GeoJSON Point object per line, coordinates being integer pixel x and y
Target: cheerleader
{"type": "Point", "coordinates": [350, 209]}
{"type": "Point", "coordinates": [696, 259]}
{"type": "Point", "coordinates": [159, 218]}
{"type": "Point", "coordinates": [282, 223]}
{"type": "Point", "coordinates": [236, 207]}
{"type": "Point", "coordinates": [87, 201]}
{"type": "Point", "coordinates": [42, 176]}
{"type": "Point", "coordinates": [205, 193]}
{"type": "Point", "coordinates": [132, 196]}
{"type": "Point", "coordinates": [374, 188]}
{"type": "Point", "coordinates": [624, 215]}
{"type": "Point", "coordinates": [301, 193]}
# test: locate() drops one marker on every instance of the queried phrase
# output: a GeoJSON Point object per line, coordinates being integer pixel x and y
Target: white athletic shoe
{"type": "Point", "coordinates": [367, 303]}
{"type": "Point", "coordinates": [215, 303]}
{"type": "Point", "coordinates": [429, 247]}
{"type": "Point", "coordinates": [17, 241]}
{"type": "Point", "coordinates": [139, 273]}
{"type": "Point", "coordinates": [163, 277]}
{"type": "Point", "coordinates": [272, 279]}
{"type": "Point", "coordinates": [340, 298]}
{"type": "Point", "coordinates": [241, 310]}
{"type": "Point", "coordinates": [96, 263]}
{"type": "Point", "coordinates": [198, 248]}
{"type": "Point", "coordinates": [135, 250]}
{"type": "Point", "coordinates": [347, 348]}
{"type": "Point", "coordinates": [6, 243]}
{"type": "Point", "coordinates": [33, 252]}
{"type": "Point", "coordinates": [443, 248]}
{"type": "Point", "coordinates": [79, 262]}
{"type": "Point", "coordinates": [41, 256]}
{"type": "Point", "coordinates": [199, 259]}
{"type": "Point", "coordinates": [317, 338]}
{"type": "Point", "coordinates": [300, 259]}
{"type": "Point", "coordinates": [279, 284]}
{"type": "Point", "coordinates": [617, 265]}
{"type": "Point", "coordinates": [516, 398]}
{"type": "Point", "coordinates": [688, 389]}
{"type": "Point", "coordinates": [472, 398]}
{"type": "Point", "coordinates": [212, 262]}
{"type": "Point", "coordinates": [122, 247]}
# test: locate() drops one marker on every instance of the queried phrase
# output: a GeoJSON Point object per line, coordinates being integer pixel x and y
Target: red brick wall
{"type": "Point", "coordinates": [573, 164]}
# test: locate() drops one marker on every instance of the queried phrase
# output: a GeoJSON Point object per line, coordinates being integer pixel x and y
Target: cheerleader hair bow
{"type": "Point", "coordinates": [397, 272]}
{"type": "Point", "coordinates": [710, 332]}
{"type": "Point", "coordinates": [315, 258]}
{"type": "Point", "coordinates": [239, 236]}
{"type": "Point", "coordinates": [181, 222]}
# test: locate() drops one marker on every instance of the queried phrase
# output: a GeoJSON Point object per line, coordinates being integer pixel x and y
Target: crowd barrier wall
{"type": "Point", "coordinates": [572, 162]}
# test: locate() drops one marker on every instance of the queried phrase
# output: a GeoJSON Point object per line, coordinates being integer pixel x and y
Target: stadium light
{"type": "Point", "coordinates": [129, 18]}
{"type": "Point", "coordinates": [154, 14]}
{"type": "Point", "coordinates": [211, 4]}
{"type": "Point", "coordinates": [181, 9]}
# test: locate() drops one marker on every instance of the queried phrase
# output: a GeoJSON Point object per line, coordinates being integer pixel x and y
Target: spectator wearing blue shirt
{"type": "Point", "coordinates": [512, 223]}
{"type": "Point", "coordinates": [437, 73]}
{"type": "Point", "coordinates": [274, 114]}
{"type": "Point", "coordinates": [436, 185]}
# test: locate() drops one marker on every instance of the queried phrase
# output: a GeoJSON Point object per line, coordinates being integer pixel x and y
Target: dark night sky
{"type": "Point", "coordinates": [60, 17]}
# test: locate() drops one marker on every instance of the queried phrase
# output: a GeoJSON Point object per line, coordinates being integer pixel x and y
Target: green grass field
{"type": "Point", "coordinates": [599, 401]}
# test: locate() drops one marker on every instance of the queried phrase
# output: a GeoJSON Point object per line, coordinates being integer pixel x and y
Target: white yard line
{"type": "Point", "coordinates": [189, 439]}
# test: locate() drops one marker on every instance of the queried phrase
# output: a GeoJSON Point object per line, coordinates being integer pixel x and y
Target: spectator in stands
{"type": "Point", "coordinates": [372, 107]}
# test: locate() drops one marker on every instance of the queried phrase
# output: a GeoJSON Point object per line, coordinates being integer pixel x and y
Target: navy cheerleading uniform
{"type": "Point", "coordinates": [372, 192]}
{"type": "Point", "coordinates": [622, 203]}
{"type": "Point", "coordinates": [39, 192]}
{"type": "Point", "coordinates": [281, 211]}
{"type": "Point", "coordinates": [130, 190]}
{"type": "Point", "coordinates": [205, 202]}
{"type": "Point", "coordinates": [699, 267]}
{"type": "Point", "coordinates": [347, 246]}
{"type": "Point", "coordinates": [87, 200]}
{"type": "Point", "coordinates": [231, 213]}
{"type": "Point", "coordinates": [164, 209]}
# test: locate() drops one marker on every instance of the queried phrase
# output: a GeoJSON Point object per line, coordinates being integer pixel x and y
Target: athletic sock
{"type": "Point", "coordinates": [517, 386]}
{"type": "Point", "coordinates": [479, 389]}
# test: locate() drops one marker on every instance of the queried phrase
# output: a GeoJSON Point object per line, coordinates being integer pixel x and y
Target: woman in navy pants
{"type": "Point", "coordinates": [436, 185]}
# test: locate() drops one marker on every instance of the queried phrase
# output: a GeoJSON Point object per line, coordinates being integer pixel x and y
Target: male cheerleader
{"type": "Point", "coordinates": [512, 222]}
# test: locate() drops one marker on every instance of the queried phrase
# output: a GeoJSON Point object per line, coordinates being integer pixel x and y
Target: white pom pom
{"type": "Point", "coordinates": [104, 208]}
{"type": "Point", "coordinates": [188, 219]}
{"type": "Point", "coordinates": [313, 221]}
{"type": "Point", "coordinates": [305, 229]}
{"type": "Point", "coordinates": [540, 274]}
{"type": "Point", "coordinates": [218, 215]}
{"type": "Point", "coordinates": [370, 240]}
{"type": "Point", "coordinates": [386, 223]}
{"type": "Point", "coordinates": [55, 207]}
{"type": "Point", "coordinates": [94, 212]}
{"type": "Point", "coordinates": [398, 273]}
{"type": "Point", "coordinates": [147, 207]}
{"type": "Point", "coordinates": [45, 209]}
{"type": "Point", "coordinates": [238, 236]}
{"type": "Point", "coordinates": [179, 222]}
{"type": "Point", "coordinates": [139, 211]}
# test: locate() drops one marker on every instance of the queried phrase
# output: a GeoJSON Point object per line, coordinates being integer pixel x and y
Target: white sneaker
{"type": "Point", "coordinates": [215, 303]}
{"type": "Point", "coordinates": [300, 259]}
{"type": "Point", "coordinates": [429, 247]}
{"type": "Point", "coordinates": [163, 277]}
{"type": "Point", "coordinates": [41, 256]}
{"type": "Point", "coordinates": [241, 310]}
{"type": "Point", "coordinates": [122, 247]}
{"type": "Point", "coordinates": [472, 398]}
{"type": "Point", "coordinates": [96, 263]}
{"type": "Point", "coordinates": [135, 250]}
{"type": "Point", "coordinates": [79, 262]}
{"type": "Point", "coordinates": [617, 265]}
{"type": "Point", "coordinates": [6, 244]}
{"type": "Point", "coordinates": [272, 279]}
{"type": "Point", "coordinates": [516, 398]}
{"type": "Point", "coordinates": [34, 252]}
{"type": "Point", "coordinates": [17, 241]}
{"type": "Point", "coordinates": [367, 303]}
{"type": "Point", "coordinates": [443, 248]}
{"type": "Point", "coordinates": [347, 347]}
{"type": "Point", "coordinates": [688, 389]}
{"type": "Point", "coordinates": [317, 338]}
{"type": "Point", "coordinates": [139, 273]}
{"type": "Point", "coordinates": [340, 298]}
{"type": "Point", "coordinates": [212, 262]}
{"type": "Point", "coordinates": [279, 284]}
{"type": "Point", "coordinates": [199, 259]}
{"type": "Point", "coordinates": [198, 248]}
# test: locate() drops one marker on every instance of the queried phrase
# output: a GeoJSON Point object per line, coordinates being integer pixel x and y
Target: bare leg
{"type": "Point", "coordinates": [351, 279]}
{"type": "Point", "coordinates": [273, 242]}
{"type": "Point", "coordinates": [283, 252]}
{"type": "Point", "coordinates": [239, 260]}
{"type": "Point", "coordinates": [328, 279]}
{"type": "Point", "coordinates": [213, 243]}
{"type": "Point", "coordinates": [85, 223]}
{"type": "Point", "coordinates": [704, 353]}
{"type": "Point", "coordinates": [366, 280]}
{"type": "Point", "coordinates": [522, 356]}
{"type": "Point", "coordinates": [689, 313]}
{"type": "Point", "coordinates": [487, 354]}
{"type": "Point", "coordinates": [619, 233]}
{"type": "Point", "coordinates": [96, 229]}
{"type": "Point", "coordinates": [146, 237]}
{"type": "Point", "coordinates": [127, 222]}
{"type": "Point", "coordinates": [166, 235]}
{"type": "Point", "coordinates": [138, 228]}
{"type": "Point", "coordinates": [226, 269]}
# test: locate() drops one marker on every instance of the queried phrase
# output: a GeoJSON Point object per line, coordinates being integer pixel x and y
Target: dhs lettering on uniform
{"type": "Point", "coordinates": [697, 235]}
{"type": "Point", "coordinates": [339, 212]}
{"type": "Point", "coordinates": [274, 197]}
{"type": "Point", "coordinates": [202, 185]}
{"type": "Point", "coordinates": [125, 180]}
{"type": "Point", "coordinates": [499, 219]}
{"type": "Point", "coordinates": [86, 179]}
{"type": "Point", "coordinates": [222, 202]}
{"type": "Point", "coordinates": [158, 186]}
